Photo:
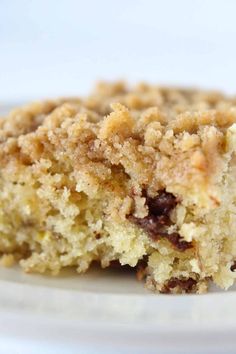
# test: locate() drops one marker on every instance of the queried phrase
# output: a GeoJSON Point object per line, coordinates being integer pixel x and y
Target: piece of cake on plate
{"type": "Point", "coordinates": [142, 176]}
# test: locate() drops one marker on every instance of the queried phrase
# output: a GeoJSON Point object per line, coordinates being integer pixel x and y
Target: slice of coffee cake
{"type": "Point", "coordinates": [143, 176]}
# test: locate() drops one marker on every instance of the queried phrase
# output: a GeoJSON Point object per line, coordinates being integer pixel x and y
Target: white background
{"type": "Point", "coordinates": [51, 48]}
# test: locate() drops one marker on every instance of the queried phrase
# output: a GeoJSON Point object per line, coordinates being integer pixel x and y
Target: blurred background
{"type": "Point", "coordinates": [53, 48]}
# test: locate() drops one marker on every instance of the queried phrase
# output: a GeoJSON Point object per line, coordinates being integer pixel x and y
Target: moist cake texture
{"type": "Point", "coordinates": [144, 176]}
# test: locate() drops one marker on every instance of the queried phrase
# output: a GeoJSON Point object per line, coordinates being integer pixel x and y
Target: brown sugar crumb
{"type": "Point", "coordinates": [233, 267]}
{"type": "Point", "coordinates": [178, 242]}
{"type": "Point", "coordinates": [162, 204]}
{"type": "Point", "coordinates": [141, 269]}
{"type": "Point", "coordinates": [158, 219]}
{"type": "Point", "coordinates": [184, 285]}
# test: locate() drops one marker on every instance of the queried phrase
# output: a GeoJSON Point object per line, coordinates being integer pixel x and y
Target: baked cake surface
{"type": "Point", "coordinates": [143, 176]}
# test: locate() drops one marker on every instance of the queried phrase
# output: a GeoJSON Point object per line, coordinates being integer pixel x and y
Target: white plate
{"type": "Point", "coordinates": [109, 311]}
